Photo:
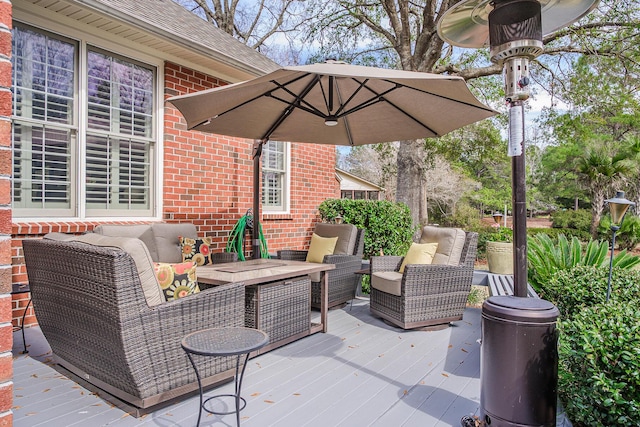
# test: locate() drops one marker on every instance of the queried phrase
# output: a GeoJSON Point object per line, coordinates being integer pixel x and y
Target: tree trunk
{"type": "Point", "coordinates": [597, 206]}
{"type": "Point", "coordinates": [409, 188]}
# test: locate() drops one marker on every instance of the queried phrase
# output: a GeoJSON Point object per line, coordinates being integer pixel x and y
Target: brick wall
{"type": "Point", "coordinates": [6, 330]}
{"type": "Point", "coordinates": [208, 180]}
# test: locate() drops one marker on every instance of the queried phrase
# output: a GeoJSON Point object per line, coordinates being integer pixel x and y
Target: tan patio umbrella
{"type": "Point", "coordinates": [332, 103]}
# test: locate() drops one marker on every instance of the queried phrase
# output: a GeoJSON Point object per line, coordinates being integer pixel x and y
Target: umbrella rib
{"type": "Point", "coordinates": [379, 97]}
{"type": "Point", "coordinates": [374, 100]}
{"type": "Point", "coordinates": [355, 92]}
{"type": "Point", "coordinates": [235, 107]}
{"type": "Point", "coordinates": [310, 108]}
{"type": "Point", "coordinates": [481, 106]}
{"type": "Point", "coordinates": [345, 120]}
{"type": "Point", "coordinates": [291, 106]}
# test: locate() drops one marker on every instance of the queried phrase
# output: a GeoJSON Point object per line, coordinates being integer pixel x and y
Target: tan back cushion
{"type": "Point", "coordinates": [450, 243]}
{"type": "Point", "coordinates": [167, 239]}
{"type": "Point", "coordinates": [139, 231]}
{"type": "Point", "coordinates": [141, 257]}
{"type": "Point", "coordinates": [346, 234]}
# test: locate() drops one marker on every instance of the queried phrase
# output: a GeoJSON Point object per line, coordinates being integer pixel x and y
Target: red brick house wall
{"type": "Point", "coordinates": [207, 180]}
{"type": "Point", "coordinates": [6, 330]}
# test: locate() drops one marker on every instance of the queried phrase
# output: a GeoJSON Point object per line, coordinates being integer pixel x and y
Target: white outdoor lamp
{"type": "Point", "coordinates": [497, 217]}
{"type": "Point", "coordinates": [618, 207]}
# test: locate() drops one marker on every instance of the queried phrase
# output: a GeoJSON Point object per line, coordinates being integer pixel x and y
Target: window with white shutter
{"type": "Point", "coordinates": [83, 130]}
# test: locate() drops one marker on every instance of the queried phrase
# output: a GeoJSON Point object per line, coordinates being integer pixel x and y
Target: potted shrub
{"type": "Point", "coordinates": [500, 251]}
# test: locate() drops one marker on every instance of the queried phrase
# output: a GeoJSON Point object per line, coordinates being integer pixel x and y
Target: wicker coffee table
{"type": "Point", "coordinates": [232, 341]}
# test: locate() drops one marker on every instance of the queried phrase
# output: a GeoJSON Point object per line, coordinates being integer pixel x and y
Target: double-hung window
{"type": "Point", "coordinates": [83, 129]}
{"type": "Point", "coordinates": [275, 180]}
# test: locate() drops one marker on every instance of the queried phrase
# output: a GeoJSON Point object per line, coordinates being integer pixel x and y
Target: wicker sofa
{"type": "Point", "coordinates": [96, 304]}
{"type": "Point", "coordinates": [427, 295]}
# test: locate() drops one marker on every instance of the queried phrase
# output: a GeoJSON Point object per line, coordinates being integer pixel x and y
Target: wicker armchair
{"type": "Point", "coordinates": [429, 295]}
{"type": "Point", "coordinates": [342, 280]}
{"type": "Point", "coordinates": [95, 315]}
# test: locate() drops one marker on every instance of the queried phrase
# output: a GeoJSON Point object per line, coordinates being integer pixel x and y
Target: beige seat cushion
{"type": "Point", "coordinates": [346, 234]}
{"type": "Point", "coordinates": [419, 253]}
{"type": "Point", "coordinates": [141, 257]}
{"type": "Point", "coordinates": [450, 243]}
{"type": "Point", "coordinates": [387, 281]}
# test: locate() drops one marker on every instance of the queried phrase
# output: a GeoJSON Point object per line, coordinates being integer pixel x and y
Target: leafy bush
{"type": "Point", "coordinates": [582, 235]}
{"type": "Point", "coordinates": [465, 217]}
{"type": "Point", "coordinates": [388, 226]}
{"type": "Point", "coordinates": [628, 236]}
{"type": "Point", "coordinates": [546, 257]}
{"type": "Point", "coordinates": [578, 220]}
{"type": "Point", "coordinates": [585, 286]}
{"type": "Point", "coordinates": [599, 369]}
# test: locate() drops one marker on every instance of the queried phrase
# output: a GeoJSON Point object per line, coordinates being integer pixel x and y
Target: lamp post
{"type": "Point", "coordinates": [618, 207]}
{"type": "Point", "coordinates": [497, 217]}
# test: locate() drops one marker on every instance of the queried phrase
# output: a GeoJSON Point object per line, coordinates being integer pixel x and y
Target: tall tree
{"type": "Point", "coordinates": [402, 34]}
{"type": "Point", "coordinates": [601, 170]}
{"type": "Point", "coordinates": [269, 26]}
{"type": "Point", "coordinates": [603, 112]}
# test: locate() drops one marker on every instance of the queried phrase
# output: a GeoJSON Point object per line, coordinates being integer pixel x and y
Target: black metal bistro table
{"type": "Point", "coordinates": [230, 341]}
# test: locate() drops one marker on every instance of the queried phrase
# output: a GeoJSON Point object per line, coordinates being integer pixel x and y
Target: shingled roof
{"type": "Point", "coordinates": [165, 26]}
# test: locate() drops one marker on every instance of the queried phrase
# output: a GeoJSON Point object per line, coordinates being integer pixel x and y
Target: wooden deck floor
{"type": "Point", "coordinates": [363, 372]}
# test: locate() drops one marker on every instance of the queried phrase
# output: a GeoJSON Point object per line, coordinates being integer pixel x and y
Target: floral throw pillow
{"type": "Point", "coordinates": [177, 280]}
{"type": "Point", "coordinates": [198, 250]}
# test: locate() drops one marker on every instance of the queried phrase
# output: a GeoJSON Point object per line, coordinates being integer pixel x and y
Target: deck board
{"type": "Point", "coordinates": [362, 372]}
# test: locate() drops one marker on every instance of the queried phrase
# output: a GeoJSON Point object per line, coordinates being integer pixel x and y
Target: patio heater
{"type": "Point", "coordinates": [519, 340]}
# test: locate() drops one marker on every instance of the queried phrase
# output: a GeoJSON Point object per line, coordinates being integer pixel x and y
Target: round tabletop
{"type": "Point", "coordinates": [224, 341]}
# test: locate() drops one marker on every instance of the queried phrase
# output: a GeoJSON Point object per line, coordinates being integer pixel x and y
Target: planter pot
{"type": "Point", "coordinates": [500, 257]}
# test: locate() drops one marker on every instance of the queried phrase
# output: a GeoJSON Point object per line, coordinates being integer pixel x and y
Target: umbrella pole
{"type": "Point", "coordinates": [255, 233]}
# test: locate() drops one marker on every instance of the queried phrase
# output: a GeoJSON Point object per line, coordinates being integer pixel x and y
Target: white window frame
{"type": "Point", "coordinates": [85, 41]}
{"type": "Point", "coordinates": [286, 192]}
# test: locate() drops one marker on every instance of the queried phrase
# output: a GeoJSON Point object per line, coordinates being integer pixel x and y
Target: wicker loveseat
{"type": "Point", "coordinates": [425, 295]}
{"type": "Point", "coordinates": [347, 257]}
{"type": "Point", "coordinates": [94, 299]}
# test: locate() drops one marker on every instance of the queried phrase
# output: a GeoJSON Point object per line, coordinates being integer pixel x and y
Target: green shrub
{"type": "Point", "coordinates": [628, 236]}
{"type": "Point", "coordinates": [578, 220]}
{"type": "Point", "coordinates": [388, 226]}
{"type": "Point", "coordinates": [465, 217]}
{"type": "Point", "coordinates": [582, 235]}
{"type": "Point", "coordinates": [599, 368]}
{"type": "Point", "coordinates": [546, 257]}
{"type": "Point", "coordinates": [584, 286]}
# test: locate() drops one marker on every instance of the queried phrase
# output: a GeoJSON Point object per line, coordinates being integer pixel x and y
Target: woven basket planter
{"type": "Point", "coordinates": [500, 257]}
